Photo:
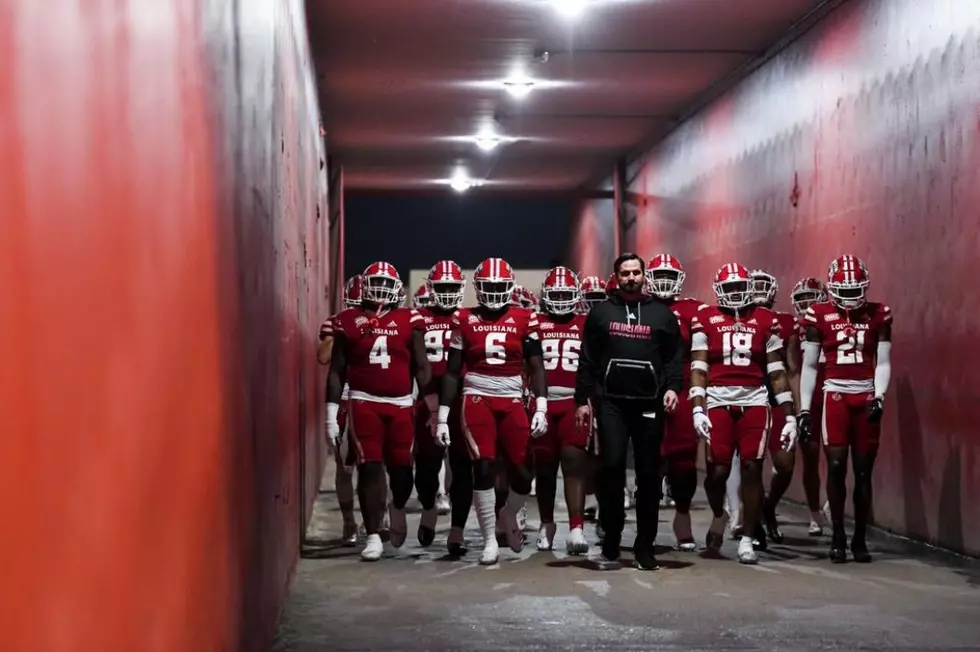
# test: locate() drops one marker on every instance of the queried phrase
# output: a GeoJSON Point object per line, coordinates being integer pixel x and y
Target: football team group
{"type": "Point", "coordinates": [476, 407]}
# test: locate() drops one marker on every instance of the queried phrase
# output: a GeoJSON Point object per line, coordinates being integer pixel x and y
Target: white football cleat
{"type": "Point", "coordinates": [576, 543]}
{"type": "Point", "coordinates": [373, 548]}
{"type": "Point", "coordinates": [546, 536]}
{"type": "Point", "coordinates": [683, 533]}
{"type": "Point", "coordinates": [522, 518]}
{"type": "Point", "coordinates": [746, 551]}
{"type": "Point", "coordinates": [513, 533]}
{"type": "Point", "coordinates": [491, 553]}
{"type": "Point", "coordinates": [442, 504]}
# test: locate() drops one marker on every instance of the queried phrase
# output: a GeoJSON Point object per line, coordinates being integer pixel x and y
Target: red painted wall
{"type": "Point", "coordinates": [162, 272]}
{"type": "Point", "coordinates": [869, 125]}
{"type": "Point", "coordinates": [591, 247]}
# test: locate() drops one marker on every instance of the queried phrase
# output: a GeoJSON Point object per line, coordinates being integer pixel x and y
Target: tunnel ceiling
{"type": "Point", "coordinates": [406, 85]}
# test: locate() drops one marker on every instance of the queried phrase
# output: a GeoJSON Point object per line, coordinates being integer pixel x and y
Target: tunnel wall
{"type": "Point", "coordinates": [860, 137]}
{"type": "Point", "coordinates": [592, 238]}
{"type": "Point", "coordinates": [162, 268]}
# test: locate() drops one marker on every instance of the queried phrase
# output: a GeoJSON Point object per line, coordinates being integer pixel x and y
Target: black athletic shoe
{"type": "Point", "coordinates": [838, 549]}
{"type": "Point", "coordinates": [759, 540]}
{"type": "Point", "coordinates": [772, 525]}
{"type": "Point", "coordinates": [426, 536]}
{"type": "Point", "coordinates": [644, 559]}
{"type": "Point", "coordinates": [859, 550]}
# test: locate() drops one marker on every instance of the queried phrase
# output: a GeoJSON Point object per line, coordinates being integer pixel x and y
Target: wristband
{"type": "Point", "coordinates": [699, 365]}
{"type": "Point", "coordinates": [694, 392]}
{"type": "Point", "coordinates": [443, 417]}
{"type": "Point", "coordinates": [332, 409]}
{"type": "Point", "coordinates": [784, 397]}
{"type": "Point", "coordinates": [773, 367]}
{"type": "Point", "coordinates": [697, 409]}
{"type": "Point", "coordinates": [541, 405]}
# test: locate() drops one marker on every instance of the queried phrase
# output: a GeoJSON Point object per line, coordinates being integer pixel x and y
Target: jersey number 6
{"type": "Point", "coordinates": [494, 347]}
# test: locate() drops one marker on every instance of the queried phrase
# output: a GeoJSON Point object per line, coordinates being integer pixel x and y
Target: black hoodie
{"type": "Point", "coordinates": [630, 350]}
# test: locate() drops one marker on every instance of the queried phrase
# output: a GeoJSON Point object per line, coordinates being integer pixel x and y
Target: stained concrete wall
{"type": "Point", "coordinates": [861, 137]}
{"type": "Point", "coordinates": [162, 268]}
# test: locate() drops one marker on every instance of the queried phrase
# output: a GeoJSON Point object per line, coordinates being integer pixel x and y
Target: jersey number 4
{"type": "Point", "coordinates": [563, 352]}
{"type": "Point", "coordinates": [737, 348]}
{"type": "Point", "coordinates": [850, 348]}
{"type": "Point", "coordinates": [379, 352]}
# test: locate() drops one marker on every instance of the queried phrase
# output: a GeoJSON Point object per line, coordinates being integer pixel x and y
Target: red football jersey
{"type": "Point", "coordinates": [849, 341]}
{"type": "Point", "coordinates": [561, 340]}
{"type": "Point", "coordinates": [438, 333]}
{"type": "Point", "coordinates": [493, 348]}
{"type": "Point", "coordinates": [686, 310]}
{"type": "Point", "coordinates": [737, 348]}
{"type": "Point", "coordinates": [379, 350]}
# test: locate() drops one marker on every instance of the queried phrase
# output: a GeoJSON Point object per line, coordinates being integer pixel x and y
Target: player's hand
{"type": "Point", "coordinates": [583, 417]}
{"type": "Point", "coordinates": [539, 424]}
{"type": "Point", "coordinates": [325, 330]}
{"type": "Point", "coordinates": [441, 434]}
{"type": "Point", "coordinates": [789, 434]}
{"type": "Point", "coordinates": [876, 408]}
{"type": "Point", "coordinates": [670, 401]}
{"type": "Point", "coordinates": [804, 426]}
{"type": "Point", "coordinates": [333, 433]}
{"type": "Point", "coordinates": [702, 424]}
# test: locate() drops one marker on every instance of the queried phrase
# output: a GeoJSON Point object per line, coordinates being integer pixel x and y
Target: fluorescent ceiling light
{"type": "Point", "coordinates": [460, 181]}
{"type": "Point", "coordinates": [487, 139]}
{"type": "Point", "coordinates": [569, 8]}
{"type": "Point", "coordinates": [519, 85]}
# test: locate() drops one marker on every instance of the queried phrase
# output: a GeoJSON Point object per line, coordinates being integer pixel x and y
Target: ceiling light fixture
{"type": "Point", "coordinates": [487, 139]}
{"type": "Point", "coordinates": [569, 8]}
{"type": "Point", "coordinates": [519, 85]}
{"type": "Point", "coordinates": [461, 181]}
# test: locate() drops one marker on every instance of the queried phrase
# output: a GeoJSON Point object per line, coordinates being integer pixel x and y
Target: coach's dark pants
{"type": "Point", "coordinates": [621, 421]}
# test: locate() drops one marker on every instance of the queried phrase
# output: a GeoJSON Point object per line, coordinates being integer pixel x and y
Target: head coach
{"type": "Point", "coordinates": [630, 370]}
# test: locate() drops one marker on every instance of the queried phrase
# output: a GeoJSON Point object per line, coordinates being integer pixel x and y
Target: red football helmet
{"type": "Point", "coordinates": [353, 291]}
{"type": "Point", "coordinates": [382, 284]}
{"type": "Point", "coordinates": [733, 286]}
{"type": "Point", "coordinates": [807, 292]}
{"type": "Point", "coordinates": [446, 284]}
{"type": "Point", "coordinates": [422, 298]}
{"type": "Point", "coordinates": [560, 291]}
{"type": "Point", "coordinates": [764, 287]}
{"type": "Point", "coordinates": [665, 276]}
{"type": "Point", "coordinates": [847, 282]}
{"type": "Point", "coordinates": [494, 283]}
{"type": "Point", "coordinates": [593, 291]}
{"type": "Point", "coordinates": [612, 284]}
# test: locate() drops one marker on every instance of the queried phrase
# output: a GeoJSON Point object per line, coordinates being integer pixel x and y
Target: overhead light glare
{"type": "Point", "coordinates": [461, 181]}
{"type": "Point", "coordinates": [487, 142]}
{"type": "Point", "coordinates": [569, 8]}
{"type": "Point", "coordinates": [519, 85]}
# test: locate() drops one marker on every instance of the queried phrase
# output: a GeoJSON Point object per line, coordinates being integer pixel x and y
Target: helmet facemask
{"type": "Point", "coordinates": [735, 294]}
{"type": "Point", "coordinates": [560, 301]}
{"type": "Point", "coordinates": [494, 295]}
{"type": "Point", "coordinates": [447, 295]}
{"type": "Point", "coordinates": [665, 283]}
{"type": "Point", "coordinates": [382, 290]}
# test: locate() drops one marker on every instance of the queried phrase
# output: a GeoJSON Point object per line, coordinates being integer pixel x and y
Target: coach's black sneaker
{"type": "Point", "coordinates": [759, 540]}
{"type": "Point", "coordinates": [610, 554]}
{"type": "Point", "coordinates": [838, 549]}
{"type": "Point", "coordinates": [859, 550]}
{"type": "Point", "coordinates": [645, 559]}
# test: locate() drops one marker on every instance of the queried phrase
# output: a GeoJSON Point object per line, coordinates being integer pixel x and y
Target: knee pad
{"type": "Point", "coordinates": [483, 475]}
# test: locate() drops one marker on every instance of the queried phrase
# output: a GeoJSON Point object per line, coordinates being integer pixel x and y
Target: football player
{"type": "Point", "coordinates": [380, 352]}
{"type": "Point", "coordinates": [807, 292]}
{"type": "Point", "coordinates": [422, 297]}
{"type": "Point", "coordinates": [343, 477]}
{"type": "Point", "coordinates": [593, 291]}
{"type": "Point", "coordinates": [444, 285]}
{"type": "Point", "coordinates": [665, 280]}
{"type": "Point", "coordinates": [764, 291]}
{"type": "Point", "coordinates": [854, 335]}
{"type": "Point", "coordinates": [734, 346]}
{"type": "Point", "coordinates": [492, 342]}
{"type": "Point", "coordinates": [563, 443]}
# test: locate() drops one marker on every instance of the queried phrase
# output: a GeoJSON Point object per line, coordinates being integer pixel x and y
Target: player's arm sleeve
{"type": "Point", "coordinates": [808, 370]}
{"type": "Point", "coordinates": [673, 355]}
{"type": "Point", "coordinates": [588, 361]}
{"type": "Point", "coordinates": [883, 361]}
{"type": "Point", "coordinates": [532, 342]}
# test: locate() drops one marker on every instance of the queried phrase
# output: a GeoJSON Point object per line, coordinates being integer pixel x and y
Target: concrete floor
{"type": "Point", "coordinates": [910, 598]}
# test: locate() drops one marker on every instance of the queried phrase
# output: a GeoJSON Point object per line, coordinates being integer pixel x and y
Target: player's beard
{"type": "Point", "coordinates": [631, 290]}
